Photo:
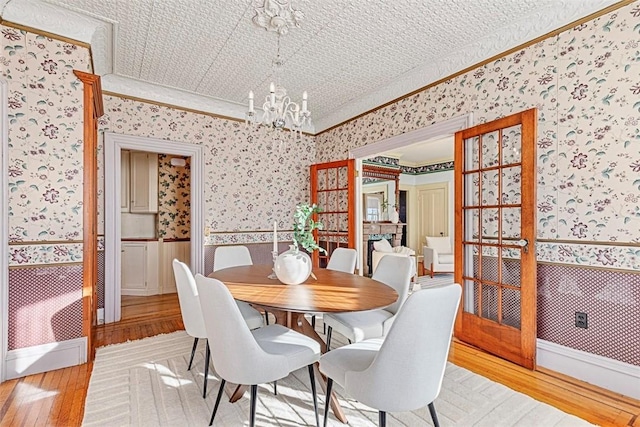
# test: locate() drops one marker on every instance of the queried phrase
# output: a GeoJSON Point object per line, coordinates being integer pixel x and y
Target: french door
{"type": "Point", "coordinates": [331, 189]}
{"type": "Point", "coordinates": [495, 186]}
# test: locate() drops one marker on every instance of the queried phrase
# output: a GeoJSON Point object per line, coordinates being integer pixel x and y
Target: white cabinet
{"type": "Point", "coordinates": [139, 268]}
{"type": "Point", "coordinates": [169, 251]}
{"type": "Point", "coordinates": [125, 193]}
{"type": "Point", "coordinates": [143, 182]}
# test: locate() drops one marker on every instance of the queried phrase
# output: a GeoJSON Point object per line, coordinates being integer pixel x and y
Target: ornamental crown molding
{"type": "Point", "coordinates": [278, 16]}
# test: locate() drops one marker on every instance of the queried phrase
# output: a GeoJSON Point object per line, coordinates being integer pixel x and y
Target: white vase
{"type": "Point", "coordinates": [293, 266]}
{"type": "Point", "coordinates": [395, 216]}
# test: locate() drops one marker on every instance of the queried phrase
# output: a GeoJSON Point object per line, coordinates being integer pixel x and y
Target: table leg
{"type": "Point", "coordinates": [300, 324]}
{"type": "Point", "coordinates": [235, 391]}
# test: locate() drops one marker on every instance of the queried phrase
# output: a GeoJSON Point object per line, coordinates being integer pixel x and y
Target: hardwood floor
{"type": "Point", "coordinates": [57, 397]}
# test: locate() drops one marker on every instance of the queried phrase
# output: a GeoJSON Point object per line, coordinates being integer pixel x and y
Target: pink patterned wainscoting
{"type": "Point", "coordinates": [611, 300]}
{"type": "Point", "coordinates": [45, 305]}
{"type": "Point", "coordinates": [100, 281]}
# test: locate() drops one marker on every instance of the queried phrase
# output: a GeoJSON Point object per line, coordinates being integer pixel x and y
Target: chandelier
{"type": "Point", "coordinates": [278, 110]}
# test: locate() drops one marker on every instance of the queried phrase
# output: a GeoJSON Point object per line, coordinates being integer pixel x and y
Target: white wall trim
{"type": "Point", "coordinates": [436, 130]}
{"type": "Point", "coordinates": [46, 357]}
{"type": "Point", "coordinates": [4, 226]}
{"type": "Point", "coordinates": [604, 372]}
{"type": "Point", "coordinates": [113, 145]}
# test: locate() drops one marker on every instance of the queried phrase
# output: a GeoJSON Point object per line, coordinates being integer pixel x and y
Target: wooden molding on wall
{"type": "Point", "coordinates": [93, 109]}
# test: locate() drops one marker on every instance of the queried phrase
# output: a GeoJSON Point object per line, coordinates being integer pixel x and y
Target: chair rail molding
{"type": "Point", "coordinates": [113, 145]}
{"type": "Point", "coordinates": [4, 227]}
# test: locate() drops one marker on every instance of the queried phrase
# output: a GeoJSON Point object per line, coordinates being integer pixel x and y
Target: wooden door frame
{"type": "Point", "coordinates": [93, 109]}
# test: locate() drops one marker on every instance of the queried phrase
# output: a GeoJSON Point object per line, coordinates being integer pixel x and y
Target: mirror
{"type": "Point", "coordinates": [380, 192]}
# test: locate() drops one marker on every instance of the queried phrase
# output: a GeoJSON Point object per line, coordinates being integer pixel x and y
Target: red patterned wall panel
{"type": "Point", "coordinates": [100, 283]}
{"type": "Point", "coordinates": [45, 305]}
{"type": "Point", "coordinates": [610, 299]}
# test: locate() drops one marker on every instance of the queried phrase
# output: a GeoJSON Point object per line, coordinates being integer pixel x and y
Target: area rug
{"type": "Point", "coordinates": [424, 282]}
{"type": "Point", "coordinates": [146, 383]}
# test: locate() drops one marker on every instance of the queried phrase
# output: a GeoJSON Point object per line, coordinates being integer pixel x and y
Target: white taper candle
{"type": "Point", "coordinates": [275, 236]}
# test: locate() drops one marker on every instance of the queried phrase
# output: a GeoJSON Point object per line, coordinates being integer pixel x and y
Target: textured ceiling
{"type": "Point", "coordinates": [349, 55]}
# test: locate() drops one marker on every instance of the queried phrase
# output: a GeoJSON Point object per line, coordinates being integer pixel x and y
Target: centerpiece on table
{"type": "Point", "coordinates": [294, 266]}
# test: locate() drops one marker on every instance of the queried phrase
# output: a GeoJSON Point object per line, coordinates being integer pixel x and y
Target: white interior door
{"type": "Point", "coordinates": [433, 210]}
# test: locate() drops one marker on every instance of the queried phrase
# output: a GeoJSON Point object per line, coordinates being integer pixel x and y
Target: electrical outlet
{"type": "Point", "coordinates": [581, 320]}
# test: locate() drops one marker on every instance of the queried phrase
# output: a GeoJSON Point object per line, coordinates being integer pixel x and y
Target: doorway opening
{"type": "Point", "coordinates": [407, 192]}
{"type": "Point", "coordinates": [114, 145]}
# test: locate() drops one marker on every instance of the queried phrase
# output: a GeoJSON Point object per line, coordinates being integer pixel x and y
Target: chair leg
{"type": "Point", "coordinates": [432, 270]}
{"type": "Point", "coordinates": [266, 317]}
{"type": "Point", "coordinates": [329, 338]}
{"type": "Point", "coordinates": [275, 388]}
{"type": "Point", "coordinates": [215, 407]}
{"type": "Point", "coordinates": [193, 352]}
{"type": "Point", "coordinates": [207, 357]}
{"type": "Point", "coordinates": [313, 321]}
{"type": "Point", "coordinates": [382, 419]}
{"type": "Point", "coordinates": [327, 402]}
{"type": "Point", "coordinates": [434, 416]}
{"type": "Point", "coordinates": [312, 378]}
{"type": "Point", "coordinates": [254, 397]}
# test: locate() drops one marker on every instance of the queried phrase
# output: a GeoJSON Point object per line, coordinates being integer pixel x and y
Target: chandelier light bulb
{"type": "Point", "coordinates": [278, 110]}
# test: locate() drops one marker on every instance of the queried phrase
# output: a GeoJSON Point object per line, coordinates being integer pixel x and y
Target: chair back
{"type": "Point", "coordinates": [395, 271]}
{"type": "Point", "coordinates": [231, 256]}
{"type": "Point", "coordinates": [236, 355]}
{"type": "Point", "coordinates": [189, 302]}
{"type": "Point", "coordinates": [442, 245]}
{"type": "Point", "coordinates": [408, 370]}
{"type": "Point", "coordinates": [343, 259]}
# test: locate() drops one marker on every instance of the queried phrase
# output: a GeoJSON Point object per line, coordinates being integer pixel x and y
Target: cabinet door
{"type": "Point", "coordinates": [144, 182]}
{"type": "Point", "coordinates": [134, 269]}
{"type": "Point", "coordinates": [125, 181]}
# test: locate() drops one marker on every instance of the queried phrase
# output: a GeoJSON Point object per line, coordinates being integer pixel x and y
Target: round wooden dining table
{"type": "Point", "coordinates": [330, 291]}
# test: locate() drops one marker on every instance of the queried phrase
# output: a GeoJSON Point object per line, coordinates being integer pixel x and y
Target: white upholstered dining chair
{"type": "Point", "coordinates": [251, 357]}
{"type": "Point", "coordinates": [360, 325]}
{"type": "Point", "coordinates": [231, 256]}
{"type": "Point", "coordinates": [234, 256]}
{"type": "Point", "coordinates": [192, 314]}
{"type": "Point", "coordinates": [403, 371]}
{"type": "Point", "coordinates": [344, 260]}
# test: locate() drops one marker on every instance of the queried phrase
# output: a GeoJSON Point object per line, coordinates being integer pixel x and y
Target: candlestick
{"type": "Point", "coordinates": [275, 236]}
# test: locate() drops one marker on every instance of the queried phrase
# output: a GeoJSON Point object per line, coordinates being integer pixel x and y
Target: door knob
{"type": "Point", "coordinates": [524, 244]}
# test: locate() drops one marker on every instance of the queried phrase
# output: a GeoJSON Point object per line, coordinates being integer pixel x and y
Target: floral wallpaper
{"type": "Point", "coordinates": [585, 85]}
{"type": "Point", "coordinates": [253, 177]}
{"type": "Point", "coordinates": [45, 157]}
{"type": "Point", "coordinates": [174, 190]}
{"type": "Point", "coordinates": [45, 144]}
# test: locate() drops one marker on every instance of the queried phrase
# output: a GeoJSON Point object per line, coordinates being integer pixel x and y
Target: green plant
{"type": "Point", "coordinates": [303, 226]}
{"type": "Point", "coordinates": [386, 205]}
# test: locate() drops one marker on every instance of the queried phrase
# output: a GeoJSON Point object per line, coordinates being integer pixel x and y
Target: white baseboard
{"type": "Point", "coordinates": [100, 316]}
{"type": "Point", "coordinates": [607, 373]}
{"type": "Point", "coordinates": [45, 357]}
